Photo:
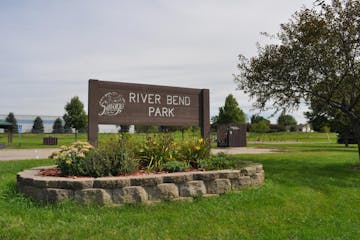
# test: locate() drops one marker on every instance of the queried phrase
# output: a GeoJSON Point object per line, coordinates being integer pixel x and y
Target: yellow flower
{"type": "Point", "coordinates": [63, 147]}
{"type": "Point", "coordinates": [200, 140]}
{"type": "Point", "coordinates": [54, 154]}
{"type": "Point", "coordinates": [81, 155]}
{"type": "Point", "coordinates": [68, 162]}
{"type": "Point", "coordinates": [197, 148]}
{"type": "Point", "coordinates": [87, 147]}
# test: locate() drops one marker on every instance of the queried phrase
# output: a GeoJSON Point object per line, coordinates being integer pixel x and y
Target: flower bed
{"type": "Point", "coordinates": [137, 189]}
{"type": "Point", "coordinates": [108, 174]}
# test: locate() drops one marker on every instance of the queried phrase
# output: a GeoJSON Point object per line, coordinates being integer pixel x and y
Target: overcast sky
{"type": "Point", "coordinates": [49, 49]}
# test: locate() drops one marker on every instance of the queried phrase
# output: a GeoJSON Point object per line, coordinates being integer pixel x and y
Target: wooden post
{"type": "Point", "coordinates": [92, 117]}
{"type": "Point", "coordinates": [10, 135]}
{"type": "Point", "coordinates": [205, 114]}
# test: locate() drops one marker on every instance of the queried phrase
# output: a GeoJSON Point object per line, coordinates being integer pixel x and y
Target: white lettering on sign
{"type": "Point", "coordinates": [155, 99]}
{"type": "Point", "coordinates": [149, 98]}
{"type": "Point", "coordinates": [161, 112]}
{"type": "Point", "coordinates": [178, 100]}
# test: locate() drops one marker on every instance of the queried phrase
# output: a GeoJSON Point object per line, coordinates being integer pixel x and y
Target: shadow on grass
{"type": "Point", "coordinates": [311, 147]}
{"type": "Point", "coordinates": [319, 173]}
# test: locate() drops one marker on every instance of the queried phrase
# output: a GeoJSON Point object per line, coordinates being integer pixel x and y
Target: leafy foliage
{"type": "Point", "coordinates": [175, 166]}
{"type": "Point", "coordinates": [11, 119]}
{"type": "Point", "coordinates": [191, 152]}
{"type": "Point", "coordinates": [221, 161]}
{"type": "Point", "coordinates": [58, 126]}
{"type": "Point", "coordinates": [317, 120]}
{"type": "Point", "coordinates": [38, 126]}
{"type": "Point", "coordinates": [75, 115]}
{"type": "Point", "coordinates": [146, 129]}
{"type": "Point", "coordinates": [70, 159]}
{"type": "Point", "coordinates": [259, 124]}
{"type": "Point", "coordinates": [316, 61]}
{"type": "Point", "coordinates": [112, 158]}
{"type": "Point", "coordinates": [156, 151]}
{"type": "Point", "coordinates": [286, 122]}
{"type": "Point", "coordinates": [262, 126]}
{"type": "Point", "coordinates": [230, 113]}
{"type": "Point", "coordinates": [257, 119]}
{"type": "Point", "coordinates": [215, 162]}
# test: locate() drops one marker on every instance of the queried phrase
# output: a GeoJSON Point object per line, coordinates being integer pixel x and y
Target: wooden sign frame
{"type": "Point", "coordinates": [141, 104]}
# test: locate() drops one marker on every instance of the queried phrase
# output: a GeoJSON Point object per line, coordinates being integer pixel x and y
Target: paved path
{"type": "Point", "coordinates": [242, 150]}
{"type": "Point", "coordinates": [20, 154]}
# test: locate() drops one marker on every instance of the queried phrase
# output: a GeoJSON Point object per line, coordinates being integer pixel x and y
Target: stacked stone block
{"type": "Point", "coordinates": [137, 189]}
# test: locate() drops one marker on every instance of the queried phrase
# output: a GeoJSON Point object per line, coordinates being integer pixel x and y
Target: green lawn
{"type": "Point", "coordinates": [311, 192]}
{"type": "Point", "coordinates": [29, 140]}
{"type": "Point", "coordinates": [294, 137]}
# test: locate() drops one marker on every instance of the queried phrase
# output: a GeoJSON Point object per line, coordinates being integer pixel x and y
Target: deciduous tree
{"type": "Point", "coordinates": [286, 122]}
{"type": "Point", "coordinates": [75, 115]}
{"type": "Point", "coordinates": [316, 58]}
{"type": "Point", "coordinates": [230, 112]}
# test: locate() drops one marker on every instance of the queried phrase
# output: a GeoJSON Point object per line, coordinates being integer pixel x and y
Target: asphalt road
{"type": "Point", "coordinates": [21, 154]}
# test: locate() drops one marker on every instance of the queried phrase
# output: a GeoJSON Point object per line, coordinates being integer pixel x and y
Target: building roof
{"type": "Point", "coordinates": [4, 123]}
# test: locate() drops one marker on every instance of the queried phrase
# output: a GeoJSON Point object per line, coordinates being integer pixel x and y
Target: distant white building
{"type": "Point", "coordinates": [27, 121]}
{"type": "Point", "coordinates": [304, 128]}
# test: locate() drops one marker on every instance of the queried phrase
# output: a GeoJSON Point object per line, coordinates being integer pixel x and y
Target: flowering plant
{"type": "Point", "coordinates": [69, 159]}
{"type": "Point", "coordinates": [192, 152]}
{"type": "Point", "coordinates": [156, 151]}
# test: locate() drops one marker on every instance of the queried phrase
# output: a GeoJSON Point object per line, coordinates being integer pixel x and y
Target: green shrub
{"type": "Point", "coordinates": [120, 155]}
{"type": "Point", "coordinates": [221, 161]}
{"type": "Point", "coordinates": [262, 126]}
{"type": "Point", "coordinates": [111, 158]}
{"type": "Point", "coordinates": [324, 129]}
{"type": "Point", "coordinates": [70, 159]}
{"type": "Point", "coordinates": [216, 162]}
{"type": "Point", "coordinates": [156, 151]}
{"type": "Point", "coordinates": [192, 152]}
{"type": "Point", "coordinates": [175, 166]}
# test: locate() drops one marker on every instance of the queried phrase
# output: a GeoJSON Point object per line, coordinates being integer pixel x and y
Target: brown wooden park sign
{"type": "Point", "coordinates": [139, 104]}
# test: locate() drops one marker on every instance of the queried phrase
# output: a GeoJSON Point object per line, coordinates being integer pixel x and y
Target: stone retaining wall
{"type": "Point", "coordinates": [137, 189]}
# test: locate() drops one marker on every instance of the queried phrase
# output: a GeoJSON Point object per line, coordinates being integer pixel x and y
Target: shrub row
{"type": "Point", "coordinates": [121, 155]}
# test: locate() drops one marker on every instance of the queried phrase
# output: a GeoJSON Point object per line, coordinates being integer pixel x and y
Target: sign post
{"type": "Point", "coordinates": [141, 104]}
{"type": "Point", "coordinates": [19, 132]}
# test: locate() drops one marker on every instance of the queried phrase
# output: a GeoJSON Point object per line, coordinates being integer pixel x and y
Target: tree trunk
{"type": "Point", "coordinates": [346, 137]}
{"type": "Point", "coordinates": [358, 139]}
{"type": "Point", "coordinates": [356, 127]}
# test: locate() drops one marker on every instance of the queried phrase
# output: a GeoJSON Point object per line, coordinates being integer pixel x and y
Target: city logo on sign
{"type": "Point", "coordinates": [112, 103]}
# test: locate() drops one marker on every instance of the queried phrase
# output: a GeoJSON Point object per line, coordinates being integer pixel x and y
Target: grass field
{"type": "Point", "coordinates": [312, 191]}
{"type": "Point", "coordinates": [295, 137]}
{"type": "Point", "coordinates": [28, 140]}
